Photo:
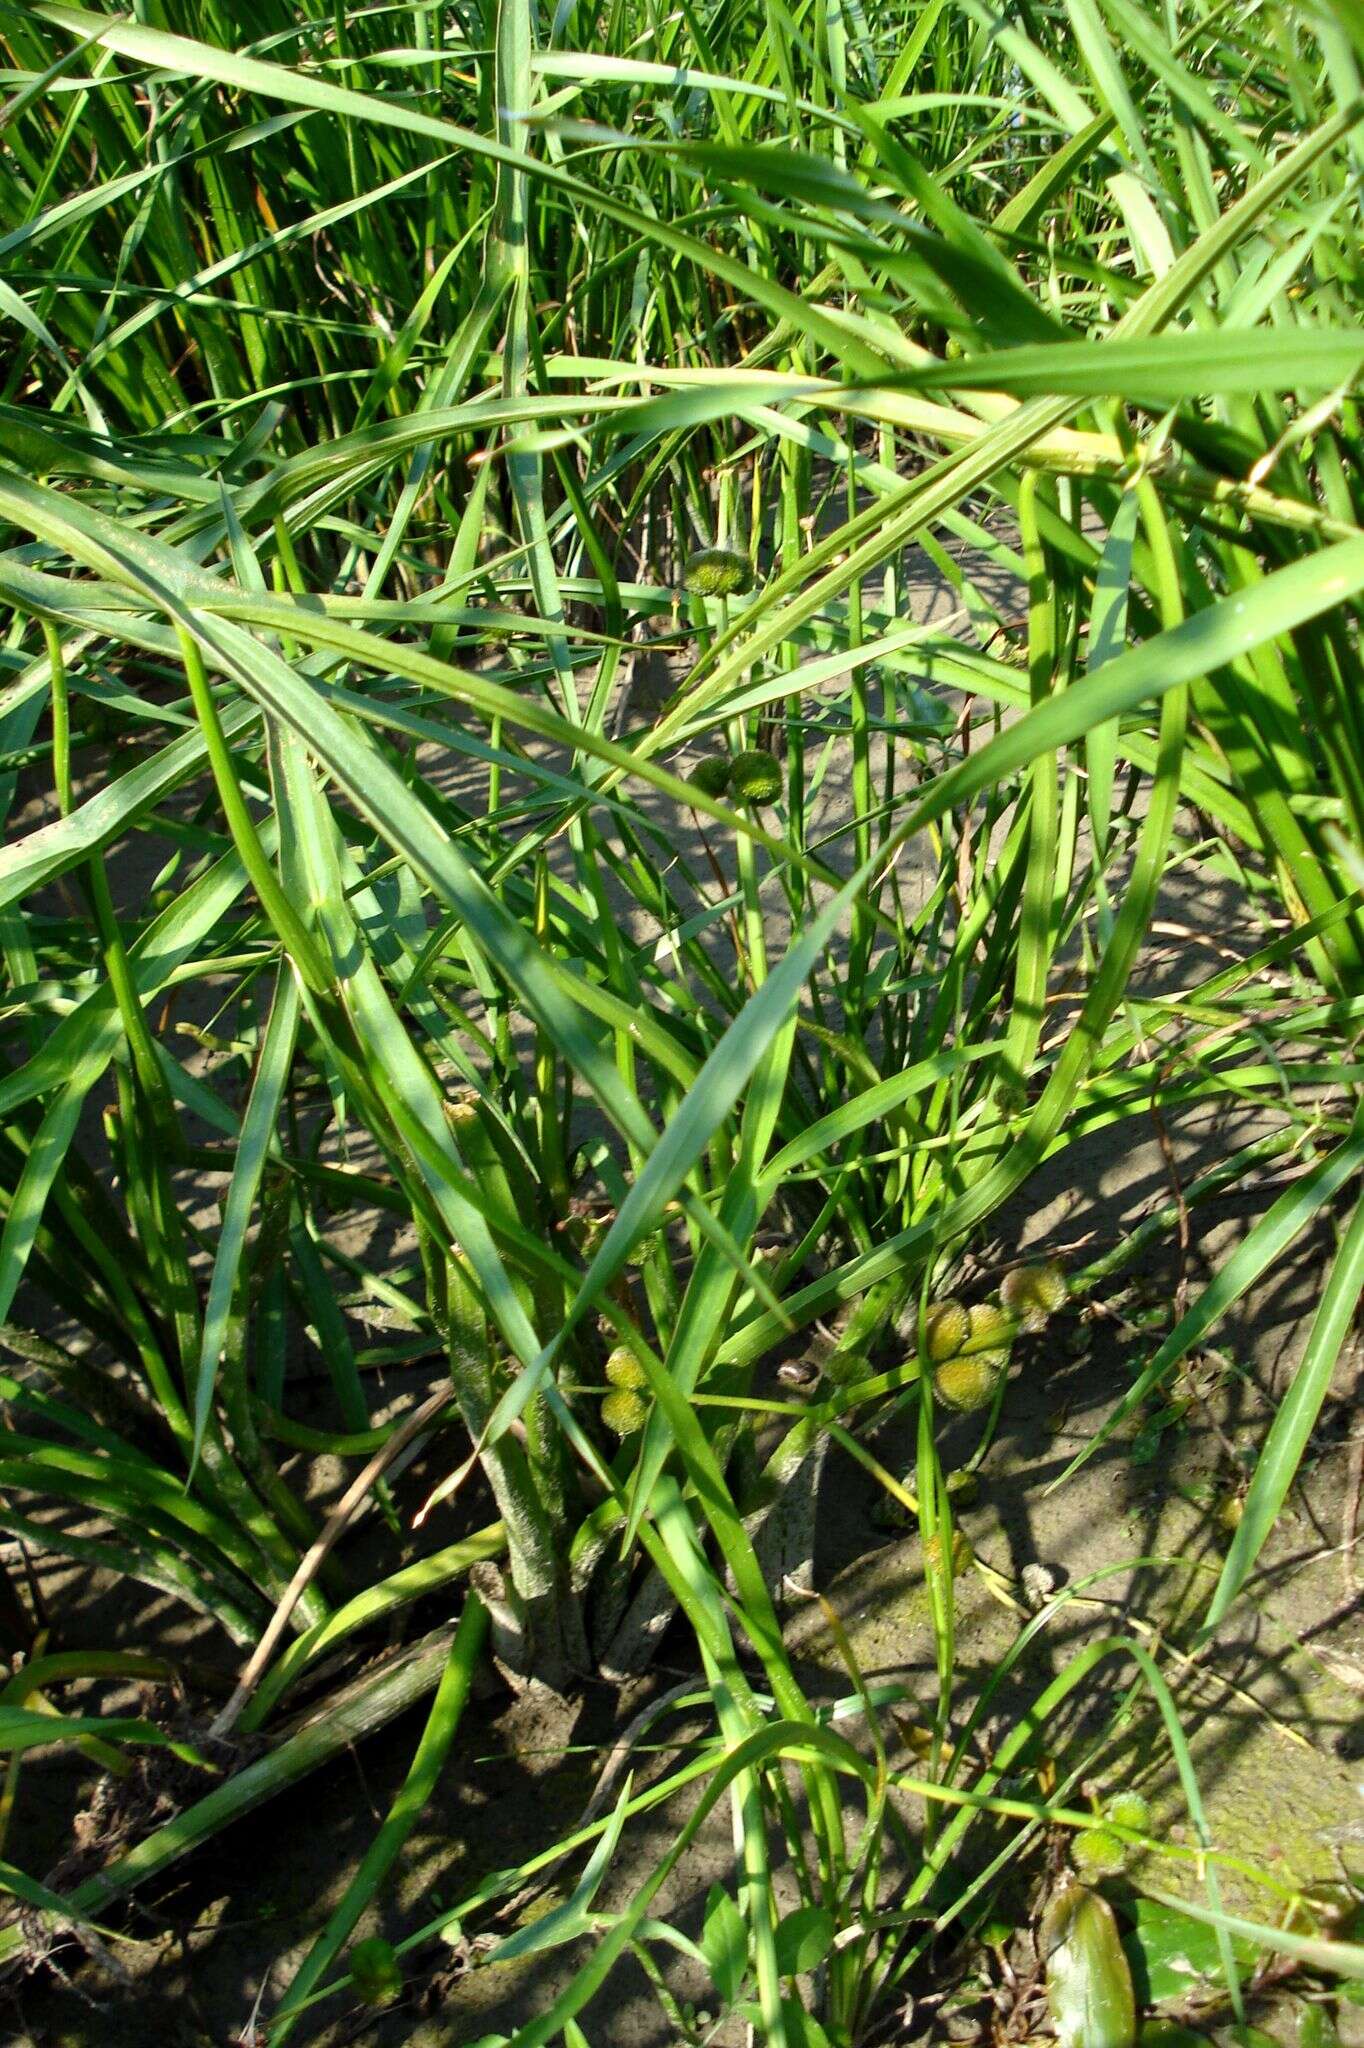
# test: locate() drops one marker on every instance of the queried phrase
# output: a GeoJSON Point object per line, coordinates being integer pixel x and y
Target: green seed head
{"type": "Point", "coordinates": [623, 1369]}
{"type": "Point", "coordinates": [711, 776]}
{"type": "Point", "coordinates": [755, 777]}
{"type": "Point", "coordinates": [946, 1328]}
{"type": "Point", "coordinates": [990, 1328]}
{"type": "Point", "coordinates": [623, 1412]}
{"type": "Point", "coordinates": [1034, 1293]}
{"type": "Point", "coordinates": [717, 572]}
{"type": "Point", "coordinates": [1129, 1810]}
{"type": "Point", "coordinates": [1096, 1852]}
{"type": "Point", "coordinates": [966, 1383]}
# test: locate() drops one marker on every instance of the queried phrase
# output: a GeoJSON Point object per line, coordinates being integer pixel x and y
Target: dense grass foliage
{"type": "Point", "coordinates": [503, 855]}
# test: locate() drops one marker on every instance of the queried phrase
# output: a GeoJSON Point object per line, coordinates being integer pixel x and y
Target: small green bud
{"type": "Point", "coordinates": [711, 776]}
{"type": "Point", "coordinates": [375, 1971]}
{"type": "Point", "coordinates": [1129, 1810]}
{"type": "Point", "coordinates": [717, 572]}
{"type": "Point", "coordinates": [966, 1383]}
{"type": "Point", "coordinates": [623, 1369]}
{"type": "Point", "coordinates": [623, 1412]}
{"type": "Point", "coordinates": [755, 777]}
{"type": "Point", "coordinates": [1097, 1852]}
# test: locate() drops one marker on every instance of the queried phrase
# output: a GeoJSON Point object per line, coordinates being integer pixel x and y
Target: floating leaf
{"type": "Point", "coordinates": [1089, 1986]}
{"type": "Point", "coordinates": [1172, 1954]}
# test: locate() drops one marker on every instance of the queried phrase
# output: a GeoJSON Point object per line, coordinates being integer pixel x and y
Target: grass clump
{"type": "Point", "coordinates": [393, 1057]}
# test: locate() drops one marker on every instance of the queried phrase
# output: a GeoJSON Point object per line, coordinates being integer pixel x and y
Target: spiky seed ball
{"type": "Point", "coordinates": [755, 777]}
{"type": "Point", "coordinates": [717, 572]}
{"type": "Point", "coordinates": [1097, 1852]}
{"type": "Point", "coordinates": [1129, 1810]}
{"type": "Point", "coordinates": [623, 1412]}
{"type": "Point", "coordinates": [711, 776]}
{"type": "Point", "coordinates": [966, 1383]}
{"type": "Point", "coordinates": [946, 1328]}
{"type": "Point", "coordinates": [1034, 1293]}
{"type": "Point", "coordinates": [990, 1328]}
{"type": "Point", "coordinates": [1052, 1286]}
{"type": "Point", "coordinates": [962, 1487]}
{"type": "Point", "coordinates": [623, 1369]}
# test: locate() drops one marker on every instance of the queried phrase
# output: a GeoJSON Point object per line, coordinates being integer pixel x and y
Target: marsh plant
{"type": "Point", "coordinates": [433, 1045]}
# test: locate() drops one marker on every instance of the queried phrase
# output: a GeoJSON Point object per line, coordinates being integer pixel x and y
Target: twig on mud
{"type": "Point", "coordinates": [312, 1560]}
{"type": "Point", "coordinates": [1167, 1153]}
{"type": "Point", "coordinates": [1349, 1512]}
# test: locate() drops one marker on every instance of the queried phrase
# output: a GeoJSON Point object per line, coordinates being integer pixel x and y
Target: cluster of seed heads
{"type": "Point", "coordinates": [1098, 1851]}
{"type": "Point", "coordinates": [623, 1411]}
{"type": "Point", "coordinates": [968, 1348]}
{"type": "Point", "coordinates": [753, 777]}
